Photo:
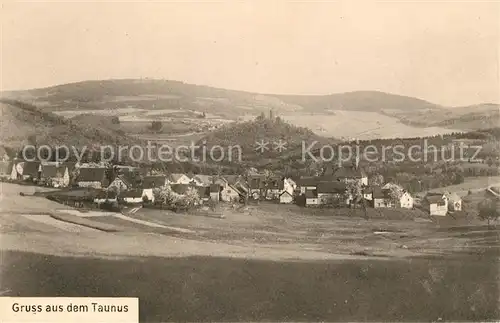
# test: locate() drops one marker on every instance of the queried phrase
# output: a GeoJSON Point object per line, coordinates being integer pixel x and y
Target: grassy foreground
{"type": "Point", "coordinates": [219, 289]}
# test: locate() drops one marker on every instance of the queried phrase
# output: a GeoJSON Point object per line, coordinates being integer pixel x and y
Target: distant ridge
{"type": "Point", "coordinates": [150, 94]}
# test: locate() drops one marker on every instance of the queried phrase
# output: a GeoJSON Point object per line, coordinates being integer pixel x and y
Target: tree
{"type": "Point", "coordinates": [489, 210]}
{"type": "Point", "coordinates": [395, 192]}
{"type": "Point", "coordinates": [376, 180]}
{"type": "Point", "coordinates": [156, 125]}
{"type": "Point", "coordinates": [115, 120]}
{"type": "Point", "coordinates": [354, 191]}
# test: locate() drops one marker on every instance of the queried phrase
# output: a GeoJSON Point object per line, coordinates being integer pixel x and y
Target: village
{"type": "Point", "coordinates": [94, 185]}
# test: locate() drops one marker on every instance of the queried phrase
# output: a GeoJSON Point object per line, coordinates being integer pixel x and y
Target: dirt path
{"type": "Point", "coordinates": [60, 225]}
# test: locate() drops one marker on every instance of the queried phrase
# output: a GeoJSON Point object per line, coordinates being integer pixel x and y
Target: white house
{"type": "Point", "coordinates": [406, 201]}
{"type": "Point", "coordinates": [178, 178]}
{"type": "Point", "coordinates": [454, 202]}
{"type": "Point", "coordinates": [286, 197]}
{"type": "Point", "coordinates": [312, 197]}
{"type": "Point", "coordinates": [202, 180]}
{"type": "Point", "coordinates": [436, 204]}
{"type": "Point", "coordinates": [131, 196]}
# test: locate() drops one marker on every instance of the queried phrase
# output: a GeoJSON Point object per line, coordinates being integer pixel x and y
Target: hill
{"type": "Point", "coordinates": [22, 122]}
{"type": "Point", "coordinates": [248, 134]}
{"type": "Point", "coordinates": [147, 99]}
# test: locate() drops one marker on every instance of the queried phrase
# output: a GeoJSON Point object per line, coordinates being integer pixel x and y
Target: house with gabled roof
{"type": "Point", "coordinates": [149, 183]}
{"type": "Point", "coordinates": [178, 178]}
{"type": "Point", "coordinates": [202, 180]}
{"type": "Point", "coordinates": [332, 193]}
{"type": "Point", "coordinates": [454, 201]}
{"type": "Point", "coordinates": [31, 170]}
{"type": "Point", "coordinates": [351, 173]}
{"type": "Point", "coordinates": [436, 204]}
{"type": "Point", "coordinates": [311, 197]}
{"type": "Point", "coordinates": [132, 196]}
{"type": "Point", "coordinates": [285, 197]}
{"type": "Point", "coordinates": [125, 181]}
{"type": "Point", "coordinates": [54, 175]}
{"type": "Point", "coordinates": [92, 177]}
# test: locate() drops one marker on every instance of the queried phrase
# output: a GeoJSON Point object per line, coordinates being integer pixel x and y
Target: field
{"type": "Point", "coordinates": [362, 125]}
{"type": "Point", "coordinates": [257, 263]}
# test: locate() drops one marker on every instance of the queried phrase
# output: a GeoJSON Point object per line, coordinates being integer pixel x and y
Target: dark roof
{"type": "Point", "coordinates": [180, 188]}
{"type": "Point", "coordinates": [49, 171]}
{"type": "Point", "coordinates": [434, 199]}
{"type": "Point", "coordinates": [203, 191]}
{"type": "Point", "coordinates": [286, 192]}
{"type": "Point", "coordinates": [308, 181]}
{"type": "Point", "coordinates": [31, 168]}
{"type": "Point", "coordinates": [92, 175]}
{"type": "Point", "coordinates": [315, 180]}
{"type": "Point", "coordinates": [204, 179]}
{"type": "Point", "coordinates": [69, 165]}
{"type": "Point", "coordinates": [311, 194]}
{"type": "Point", "coordinates": [379, 193]}
{"type": "Point", "coordinates": [6, 167]}
{"type": "Point", "coordinates": [256, 181]}
{"type": "Point", "coordinates": [214, 188]}
{"type": "Point", "coordinates": [153, 181]}
{"type": "Point", "coordinates": [131, 179]}
{"type": "Point", "coordinates": [331, 187]}
{"type": "Point", "coordinates": [106, 194]}
{"type": "Point", "coordinates": [274, 182]}
{"type": "Point", "coordinates": [175, 176]}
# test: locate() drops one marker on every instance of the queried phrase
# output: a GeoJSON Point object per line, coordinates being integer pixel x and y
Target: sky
{"type": "Point", "coordinates": [443, 52]}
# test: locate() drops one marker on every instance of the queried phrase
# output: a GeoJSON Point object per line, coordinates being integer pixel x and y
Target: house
{"type": "Point", "coordinates": [332, 193]}
{"type": "Point", "coordinates": [31, 170]}
{"type": "Point", "coordinates": [125, 181]}
{"type": "Point", "coordinates": [17, 170]}
{"type": "Point", "coordinates": [311, 197]}
{"type": "Point", "coordinates": [177, 178]}
{"type": "Point", "coordinates": [381, 198]}
{"type": "Point", "coordinates": [256, 184]}
{"type": "Point", "coordinates": [92, 177]}
{"type": "Point", "coordinates": [132, 196]}
{"type": "Point", "coordinates": [202, 180]}
{"type": "Point", "coordinates": [55, 176]}
{"type": "Point", "coordinates": [351, 173]}
{"type": "Point", "coordinates": [289, 185]}
{"type": "Point", "coordinates": [286, 197]}
{"type": "Point", "coordinates": [273, 186]}
{"type": "Point", "coordinates": [149, 183]}
{"type": "Point", "coordinates": [454, 202]}
{"type": "Point", "coordinates": [105, 196]}
{"type": "Point", "coordinates": [6, 169]}
{"type": "Point", "coordinates": [233, 187]}
{"type": "Point", "coordinates": [203, 192]}
{"type": "Point", "coordinates": [308, 183]}
{"type": "Point", "coordinates": [436, 204]}
{"type": "Point", "coordinates": [406, 201]}
{"type": "Point", "coordinates": [214, 192]}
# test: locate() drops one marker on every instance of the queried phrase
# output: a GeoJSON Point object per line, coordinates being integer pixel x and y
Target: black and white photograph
{"type": "Point", "coordinates": [249, 161]}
